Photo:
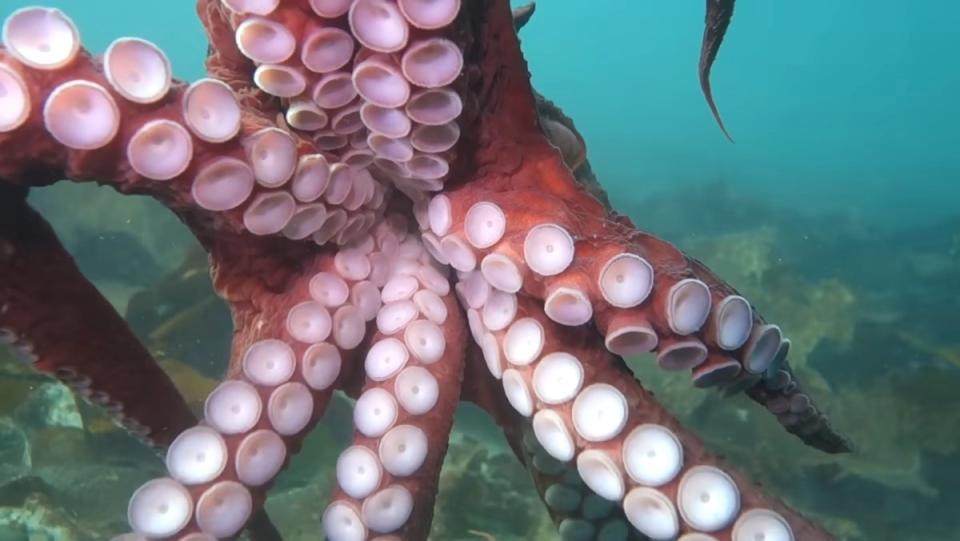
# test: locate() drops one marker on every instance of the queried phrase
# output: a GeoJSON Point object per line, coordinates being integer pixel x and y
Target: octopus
{"type": "Point", "coordinates": [390, 211]}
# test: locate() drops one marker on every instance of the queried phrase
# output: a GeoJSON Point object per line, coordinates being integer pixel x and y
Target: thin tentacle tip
{"type": "Point", "coordinates": [838, 444]}
{"type": "Point", "coordinates": [522, 15]}
{"type": "Point", "coordinates": [718, 17]}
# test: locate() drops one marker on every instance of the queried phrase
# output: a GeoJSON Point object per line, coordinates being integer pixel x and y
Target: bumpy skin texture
{"type": "Point", "coordinates": [393, 309]}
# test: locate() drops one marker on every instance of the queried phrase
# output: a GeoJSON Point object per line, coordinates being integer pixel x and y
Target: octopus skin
{"type": "Point", "coordinates": [391, 211]}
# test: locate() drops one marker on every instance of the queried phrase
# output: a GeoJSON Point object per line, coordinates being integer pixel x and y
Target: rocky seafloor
{"type": "Point", "coordinates": [871, 313]}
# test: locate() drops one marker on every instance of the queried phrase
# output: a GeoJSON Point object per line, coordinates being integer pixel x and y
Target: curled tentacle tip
{"type": "Point", "coordinates": [719, 14]}
{"type": "Point", "coordinates": [522, 15]}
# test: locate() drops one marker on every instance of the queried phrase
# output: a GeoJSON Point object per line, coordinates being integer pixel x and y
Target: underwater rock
{"type": "Point", "coordinates": [37, 520]}
{"type": "Point", "coordinates": [18, 380]}
{"type": "Point", "coordinates": [72, 484]}
{"type": "Point", "coordinates": [717, 207]}
{"type": "Point", "coordinates": [746, 255]}
{"type": "Point", "coordinates": [114, 256]}
{"type": "Point", "coordinates": [891, 356]}
{"type": "Point", "coordinates": [59, 446]}
{"type": "Point", "coordinates": [14, 451]}
{"type": "Point", "coordinates": [180, 317]}
{"type": "Point", "coordinates": [192, 384]}
{"type": "Point", "coordinates": [154, 230]}
{"type": "Point", "coordinates": [295, 511]}
{"type": "Point", "coordinates": [121, 243]}
{"type": "Point", "coordinates": [502, 501]}
{"type": "Point", "coordinates": [50, 405]}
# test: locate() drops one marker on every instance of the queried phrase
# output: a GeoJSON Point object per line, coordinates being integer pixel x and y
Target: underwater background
{"type": "Point", "coordinates": [837, 212]}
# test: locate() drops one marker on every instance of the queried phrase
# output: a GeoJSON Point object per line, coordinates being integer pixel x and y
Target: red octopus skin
{"type": "Point", "coordinates": [399, 230]}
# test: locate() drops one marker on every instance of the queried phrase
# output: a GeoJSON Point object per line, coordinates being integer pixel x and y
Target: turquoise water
{"type": "Point", "coordinates": [844, 105]}
{"type": "Point", "coordinates": [848, 105]}
{"type": "Point", "coordinates": [836, 211]}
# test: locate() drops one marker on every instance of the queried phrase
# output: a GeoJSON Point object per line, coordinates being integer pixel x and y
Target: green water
{"type": "Point", "coordinates": [836, 212]}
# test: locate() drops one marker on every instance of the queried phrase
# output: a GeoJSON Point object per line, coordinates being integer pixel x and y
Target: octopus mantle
{"type": "Point", "coordinates": [391, 211]}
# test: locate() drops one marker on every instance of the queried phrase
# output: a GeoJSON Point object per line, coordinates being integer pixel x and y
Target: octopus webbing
{"type": "Point", "coordinates": [391, 211]}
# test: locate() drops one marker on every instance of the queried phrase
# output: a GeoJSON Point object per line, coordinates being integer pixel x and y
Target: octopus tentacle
{"type": "Point", "coordinates": [285, 167]}
{"type": "Point", "coordinates": [67, 329]}
{"type": "Point", "coordinates": [719, 14]}
{"type": "Point", "coordinates": [778, 389]}
{"type": "Point", "coordinates": [46, 303]}
{"type": "Point", "coordinates": [523, 223]}
{"type": "Point", "coordinates": [577, 511]}
{"type": "Point", "coordinates": [375, 85]}
{"type": "Point", "coordinates": [643, 457]}
{"type": "Point", "coordinates": [523, 14]}
{"type": "Point", "coordinates": [387, 478]}
{"type": "Point", "coordinates": [783, 394]}
{"type": "Point", "coordinates": [281, 376]}
{"type": "Point", "coordinates": [642, 293]}
{"type": "Point", "coordinates": [225, 61]}
{"type": "Point", "coordinates": [194, 148]}
{"type": "Point", "coordinates": [624, 445]}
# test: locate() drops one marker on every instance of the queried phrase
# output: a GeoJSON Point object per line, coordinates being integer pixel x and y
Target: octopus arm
{"type": "Point", "coordinates": [576, 511]}
{"type": "Point", "coordinates": [641, 293]}
{"type": "Point", "coordinates": [340, 122]}
{"type": "Point", "coordinates": [521, 222]}
{"type": "Point", "coordinates": [719, 15]}
{"type": "Point", "coordinates": [290, 352]}
{"type": "Point", "coordinates": [592, 437]}
{"type": "Point", "coordinates": [227, 63]}
{"type": "Point", "coordinates": [387, 478]}
{"type": "Point", "coordinates": [62, 323]}
{"type": "Point", "coordinates": [68, 330]}
{"type": "Point", "coordinates": [205, 150]}
{"type": "Point", "coordinates": [523, 14]}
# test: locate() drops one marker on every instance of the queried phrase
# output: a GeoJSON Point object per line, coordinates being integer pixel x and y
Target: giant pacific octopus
{"type": "Point", "coordinates": [389, 210]}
